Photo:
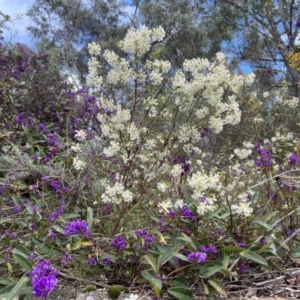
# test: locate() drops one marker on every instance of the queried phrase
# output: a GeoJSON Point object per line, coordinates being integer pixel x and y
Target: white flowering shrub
{"type": "Point", "coordinates": [152, 120]}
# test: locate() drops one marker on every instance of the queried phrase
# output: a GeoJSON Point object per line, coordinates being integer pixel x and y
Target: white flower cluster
{"type": "Point", "coordinates": [94, 49]}
{"type": "Point", "coordinates": [116, 194]}
{"type": "Point", "coordinates": [291, 102]}
{"type": "Point", "coordinates": [139, 42]}
{"type": "Point", "coordinates": [243, 208]}
{"type": "Point", "coordinates": [242, 153]}
{"type": "Point", "coordinates": [80, 135]}
{"type": "Point", "coordinates": [78, 163]}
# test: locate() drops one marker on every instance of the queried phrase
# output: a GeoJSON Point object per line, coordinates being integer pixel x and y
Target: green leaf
{"type": "Point", "coordinates": [181, 282]}
{"type": "Point", "coordinates": [151, 279]}
{"type": "Point", "coordinates": [23, 262]}
{"type": "Point", "coordinates": [218, 286]}
{"type": "Point", "coordinates": [5, 281]}
{"type": "Point", "coordinates": [46, 248]}
{"type": "Point", "coordinates": [151, 261]}
{"type": "Point", "coordinates": [295, 252]}
{"type": "Point", "coordinates": [254, 257]}
{"type": "Point", "coordinates": [13, 290]}
{"type": "Point", "coordinates": [264, 224]}
{"type": "Point", "coordinates": [58, 229]}
{"type": "Point", "coordinates": [208, 272]}
{"type": "Point", "coordinates": [21, 251]}
{"type": "Point", "coordinates": [90, 217]}
{"type": "Point", "coordinates": [225, 260]}
{"type": "Point", "coordinates": [180, 256]}
{"type": "Point", "coordinates": [166, 256]}
{"type": "Point", "coordinates": [181, 293]}
{"type": "Point", "coordinates": [69, 216]}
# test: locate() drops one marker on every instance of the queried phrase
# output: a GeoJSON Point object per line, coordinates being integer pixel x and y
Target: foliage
{"type": "Point", "coordinates": [130, 193]}
{"type": "Point", "coordinates": [67, 27]}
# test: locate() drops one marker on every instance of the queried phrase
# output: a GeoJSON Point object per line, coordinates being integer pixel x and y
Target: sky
{"type": "Point", "coordinates": [16, 9]}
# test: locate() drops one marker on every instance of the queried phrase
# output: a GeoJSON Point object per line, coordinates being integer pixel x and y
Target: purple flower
{"type": "Point", "coordinates": [119, 243]}
{"type": "Point", "coordinates": [43, 279]}
{"type": "Point", "coordinates": [294, 159]}
{"type": "Point", "coordinates": [20, 118]}
{"type": "Point", "coordinates": [77, 227]}
{"type": "Point", "coordinates": [17, 209]}
{"type": "Point", "coordinates": [188, 214]}
{"type": "Point", "coordinates": [92, 261]}
{"type": "Point", "coordinates": [13, 235]}
{"type": "Point", "coordinates": [172, 214]}
{"type": "Point", "coordinates": [243, 267]}
{"type": "Point", "coordinates": [56, 214]}
{"type": "Point", "coordinates": [52, 234]}
{"type": "Point", "coordinates": [65, 259]}
{"type": "Point", "coordinates": [211, 248]}
{"type": "Point", "coordinates": [197, 257]}
{"type": "Point", "coordinates": [42, 127]}
{"type": "Point", "coordinates": [105, 262]}
{"type": "Point", "coordinates": [141, 233]}
{"type": "Point", "coordinates": [241, 244]}
{"type": "Point", "coordinates": [55, 184]}
{"type": "Point", "coordinates": [203, 248]}
{"type": "Point", "coordinates": [149, 239]}
{"type": "Point", "coordinates": [52, 140]}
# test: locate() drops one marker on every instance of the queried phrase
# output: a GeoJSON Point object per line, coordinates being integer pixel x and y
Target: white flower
{"type": "Point", "coordinates": [243, 208]}
{"type": "Point", "coordinates": [162, 186]}
{"type": "Point", "coordinates": [80, 135]}
{"type": "Point", "coordinates": [76, 148]}
{"type": "Point", "coordinates": [242, 153]}
{"type": "Point", "coordinates": [127, 196]}
{"type": "Point", "coordinates": [78, 163]}
{"type": "Point", "coordinates": [94, 49]}
{"type": "Point", "coordinates": [158, 34]}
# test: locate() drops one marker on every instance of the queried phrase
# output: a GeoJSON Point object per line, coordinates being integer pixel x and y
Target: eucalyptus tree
{"type": "Point", "coordinates": [69, 25]}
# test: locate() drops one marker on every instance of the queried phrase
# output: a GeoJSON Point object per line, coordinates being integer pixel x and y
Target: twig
{"type": "Point", "coordinates": [276, 279]}
{"type": "Point", "coordinates": [101, 284]}
{"type": "Point", "coordinates": [260, 183]}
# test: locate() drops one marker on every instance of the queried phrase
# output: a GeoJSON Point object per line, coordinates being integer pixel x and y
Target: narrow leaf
{"type": "Point", "coordinates": [155, 282]}
{"type": "Point", "coordinates": [181, 293]}
{"type": "Point", "coordinates": [13, 290]}
{"type": "Point", "coordinates": [181, 282]}
{"type": "Point", "coordinates": [90, 217]}
{"type": "Point", "coordinates": [254, 257]}
{"type": "Point", "coordinates": [208, 272]}
{"type": "Point", "coordinates": [23, 262]}
{"type": "Point", "coordinates": [218, 286]}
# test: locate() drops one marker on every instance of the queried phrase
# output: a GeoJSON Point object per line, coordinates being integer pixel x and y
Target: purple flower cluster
{"type": "Point", "coordinates": [243, 268]}
{"type": "Point", "coordinates": [188, 214]}
{"type": "Point", "coordinates": [77, 227]}
{"type": "Point", "coordinates": [92, 261]}
{"type": "Point", "coordinates": [43, 279]}
{"type": "Point", "coordinates": [55, 184]}
{"type": "Point", "coordinates": [57, 213]}
{"type": "Point", "coordinates": [119, 243]}
{"type": "Point", "coordinates": [264, 157]}
{"type": "Point", "coordinates": [294, 159]}
{"type": "Point", "coordinates": [197, 257]}
{"type": "Point", "coordinates": [53, 140]}
{"type": "Point", "coordinates": [208, 249]}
